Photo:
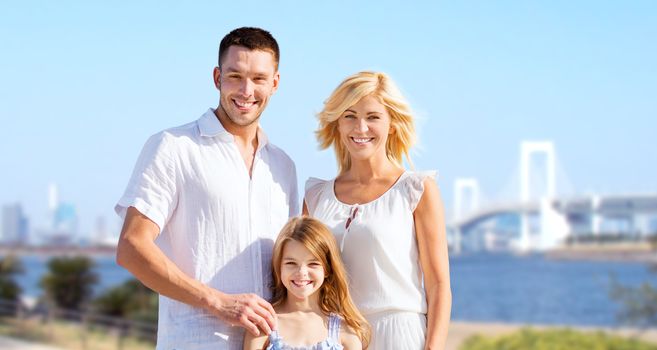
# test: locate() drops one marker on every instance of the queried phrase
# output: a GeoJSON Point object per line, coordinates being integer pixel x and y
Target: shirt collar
{"type": "Point", "coordinates": [209, 126]}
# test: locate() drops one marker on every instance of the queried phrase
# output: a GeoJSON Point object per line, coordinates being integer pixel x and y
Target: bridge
{"type": "Point", "coordinates": [540, 219]}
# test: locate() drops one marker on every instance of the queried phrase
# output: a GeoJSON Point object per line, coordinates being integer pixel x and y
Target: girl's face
{"type": "Point", "coordinates": [364, 128]}
{"type": "Point", "coordinates": [301, 272]}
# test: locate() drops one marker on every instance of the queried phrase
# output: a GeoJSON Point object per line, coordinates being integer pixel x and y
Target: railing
{"type": "Point", "coordinates": [44, 322]}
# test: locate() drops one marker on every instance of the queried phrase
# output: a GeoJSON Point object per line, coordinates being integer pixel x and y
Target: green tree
{"type": "Point", "coordinates": [10, 291]}
{"type": "Point", "coordinates": [131, 300]}
{"type": "Point", "coordinates": [638, 304]}
{"type": "Point", "coordinates": [69, 281]}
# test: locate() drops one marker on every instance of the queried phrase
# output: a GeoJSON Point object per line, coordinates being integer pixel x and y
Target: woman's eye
{"type": "Point", "coordinates": [350, 116]}
{"type": "Point", "coordinates": [373, 117]}
{"type": "Point", "coordinates": [314, 264]}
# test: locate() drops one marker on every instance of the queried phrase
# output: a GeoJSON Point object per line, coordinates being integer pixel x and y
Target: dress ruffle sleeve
{"type": "Point", "coordinates": [313, 191]}
{"type": "Point", "coordinates": [415, 185]}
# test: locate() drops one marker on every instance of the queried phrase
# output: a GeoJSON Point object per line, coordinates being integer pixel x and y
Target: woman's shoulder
{"type": "Point", "coordinates": [415, 182]}
{"type": "Point", "coordinates": [421, 175]}
{"type": "Point", "coordinates": [315, 190]}
{"type": "Point", "coordinates": [315, 183]}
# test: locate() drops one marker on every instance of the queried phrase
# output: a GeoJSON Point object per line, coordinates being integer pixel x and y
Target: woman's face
{"type": "Point", "coordinates": [364, 129]}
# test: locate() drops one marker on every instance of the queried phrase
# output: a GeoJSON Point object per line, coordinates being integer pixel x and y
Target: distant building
{"type": "Point", "coordinates": [64, 225]}
{"type": "Point", "coordinates": [14, 225]}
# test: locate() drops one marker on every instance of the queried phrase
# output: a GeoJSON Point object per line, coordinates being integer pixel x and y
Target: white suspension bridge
{"type": "Point", "coordinates": [542, 220]}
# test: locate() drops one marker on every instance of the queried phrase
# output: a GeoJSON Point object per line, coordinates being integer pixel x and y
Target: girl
{"type": "Point", "coordinates": [389, 221]}
{"type": "Point", "coordinates": [310, 294]}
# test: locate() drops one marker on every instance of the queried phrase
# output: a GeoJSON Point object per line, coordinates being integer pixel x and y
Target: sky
{"type": "Point", "coordinates": [85, 83]}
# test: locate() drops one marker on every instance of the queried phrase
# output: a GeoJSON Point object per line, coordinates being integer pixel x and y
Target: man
{"type": "Point", "coordinates": [205, 203]}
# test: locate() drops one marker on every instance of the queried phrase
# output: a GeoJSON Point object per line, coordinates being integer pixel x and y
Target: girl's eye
{"type": "Point", "coordinates": [373, 117]}
{"type": "Point", "coordinates": [291, 263]}
{"type": "Point", "coordinates": [350, 116]}
{"type": "Point", "coordinates": [314, 264]}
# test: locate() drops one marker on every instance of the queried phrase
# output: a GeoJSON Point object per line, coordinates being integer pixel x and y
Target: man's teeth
{"type": "Point", "coordinates": [244, 104]}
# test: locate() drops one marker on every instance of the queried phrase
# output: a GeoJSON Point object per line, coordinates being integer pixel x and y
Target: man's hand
{"type": "Point", "coordinates": [245, 310]}
{"type": "Point", "coordinates": [138, 253]}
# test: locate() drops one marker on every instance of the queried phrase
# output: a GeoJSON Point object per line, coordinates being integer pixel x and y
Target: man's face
{"type": "Point", "coordinates": [246, 80]}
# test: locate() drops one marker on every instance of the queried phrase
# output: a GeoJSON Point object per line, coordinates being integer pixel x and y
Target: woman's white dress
{"type": "Point", "coordinates": [379, 248]}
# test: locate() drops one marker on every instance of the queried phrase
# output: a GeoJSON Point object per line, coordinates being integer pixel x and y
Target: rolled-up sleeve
{"type": "Point", "coordinates": [152, 188]}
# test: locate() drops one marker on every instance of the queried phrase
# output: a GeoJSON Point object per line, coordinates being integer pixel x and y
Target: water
{"type": "Point", "coordinates": [489, 288]}
{"type": "Point", "coordinates": [536, 290]}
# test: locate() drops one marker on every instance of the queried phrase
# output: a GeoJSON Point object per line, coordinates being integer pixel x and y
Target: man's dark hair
{"type": "Point", "coordinates": [251, 38]}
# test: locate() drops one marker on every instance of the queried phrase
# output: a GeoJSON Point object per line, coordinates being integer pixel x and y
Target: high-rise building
{"type": "Point", "coordinates": [62, 227]}
{"type": "Point", "coordinates": [14, 225]}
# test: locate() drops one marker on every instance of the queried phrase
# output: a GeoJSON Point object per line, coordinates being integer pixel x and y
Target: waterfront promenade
{"type": "Point", "coordinates": [458, 333]}
{"type": "Point", "coordinates": [7, 343]}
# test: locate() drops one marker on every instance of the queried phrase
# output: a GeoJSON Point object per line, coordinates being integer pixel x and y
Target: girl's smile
{"type": "Point", "coordinates": [301, 272]}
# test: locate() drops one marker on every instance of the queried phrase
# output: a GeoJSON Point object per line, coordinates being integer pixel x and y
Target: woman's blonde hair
{"type": "Point", "coordinates": [334, 294]}
{"type": "Point", "coordinates": [347, 94]}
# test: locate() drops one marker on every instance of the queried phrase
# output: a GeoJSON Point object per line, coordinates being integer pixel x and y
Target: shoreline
{"type": "Point", "coordinates": [641, 252]}
{"type": "Point", "coordinates": [57, 251]}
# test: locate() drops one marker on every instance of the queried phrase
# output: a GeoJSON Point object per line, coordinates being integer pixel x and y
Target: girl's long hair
{"type": "Point", "coordinates": [334, 294]}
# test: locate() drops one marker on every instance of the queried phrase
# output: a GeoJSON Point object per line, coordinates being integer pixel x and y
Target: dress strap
{"type": "Point", "coordinates": [334, 327]}
{"type": "Point", "coordinates": [275, 341]}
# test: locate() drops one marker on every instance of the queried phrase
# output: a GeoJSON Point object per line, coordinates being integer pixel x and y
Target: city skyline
{"type": "Point", "coordinates": [86, 84]}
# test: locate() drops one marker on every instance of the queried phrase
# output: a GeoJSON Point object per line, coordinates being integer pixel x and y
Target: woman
{"type": "Point", "coordinates": [388, 221]}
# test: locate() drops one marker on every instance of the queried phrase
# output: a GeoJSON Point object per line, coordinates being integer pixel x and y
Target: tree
{"type": "Point", "coordinates": [69, 281]}
{"type": "Point", "coordinates": [638, 304]}
{"type": "Point", "coordinates": [131, 300]}
{"type": "Point", "coordinates": [10, 291]}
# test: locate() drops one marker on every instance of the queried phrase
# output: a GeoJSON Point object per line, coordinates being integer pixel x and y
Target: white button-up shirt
{"type": "Point", "coordinates": [218, 225]}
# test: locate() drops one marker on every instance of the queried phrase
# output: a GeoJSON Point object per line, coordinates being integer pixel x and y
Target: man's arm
{"type": "Point", "coordinates": [138, 253]}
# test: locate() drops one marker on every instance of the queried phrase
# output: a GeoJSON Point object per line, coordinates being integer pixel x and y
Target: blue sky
{"type": "Point", "coordinates": [84, 84]}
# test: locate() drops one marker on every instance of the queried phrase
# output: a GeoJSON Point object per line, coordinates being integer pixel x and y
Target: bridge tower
{"type": "Point", "coordinates": [466, 201]}
{"type": "Point", "coordinates": [466, 197]}
{"type": "Point", "coordinates": [528, 150]}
